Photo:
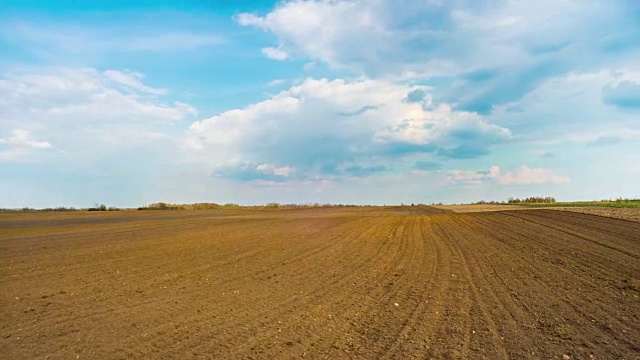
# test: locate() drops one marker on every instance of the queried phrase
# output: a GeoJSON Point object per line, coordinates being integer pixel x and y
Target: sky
{"type": "Point", "coordinates": [347, 102]}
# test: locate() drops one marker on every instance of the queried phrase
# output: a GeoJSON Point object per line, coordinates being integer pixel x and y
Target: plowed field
{"type": "Point", "coordinates": [374, 283]}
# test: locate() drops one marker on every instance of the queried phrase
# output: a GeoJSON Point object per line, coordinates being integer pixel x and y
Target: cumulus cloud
{"type": "Point", "coordinates": [458, 134]}
{"type": "Point", "coordinates": [570, 108]}
{"type": "Point", "coordinates": [418, 36]}
{"type": "Point", "coordinates": [524, 175]}
{"type": "Point", "coordinates": [326, 128]}
{"type": "Point", "coordinates": [494, 51]}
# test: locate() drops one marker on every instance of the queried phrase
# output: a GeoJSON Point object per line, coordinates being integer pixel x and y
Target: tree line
{"type": "Point", "coordinates": [532, 200]}
{"type": "Point", "coordinates": [212, 206]}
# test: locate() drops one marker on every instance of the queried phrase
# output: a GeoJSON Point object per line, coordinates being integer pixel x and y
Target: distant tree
{"type": "Point", "coordinates": [532, 200]}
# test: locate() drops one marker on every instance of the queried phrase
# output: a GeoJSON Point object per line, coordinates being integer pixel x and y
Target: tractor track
{"type": "Point", "coordinates": [362, 283]}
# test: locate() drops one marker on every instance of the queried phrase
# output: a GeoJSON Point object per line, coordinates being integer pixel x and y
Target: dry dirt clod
{"type": "Point", "coordinates": [566, 357]}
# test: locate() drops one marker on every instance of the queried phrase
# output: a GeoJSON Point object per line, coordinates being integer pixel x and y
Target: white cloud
{"type": "Point", "coordinates": [321, 30]}
{"type": "Point", "coordinates": [59, 94]}
{"type": "Point", "coordinates": [471, 177]}
{"type": "Point", "coordinates": [23, 138]}
{"type": "Point", "coordinates": [276, 82]}
{"type": "Point", "coordinates": [264, 167]}
{"type": "Point", "coordinates": [83, 108]}
{"type": "Point", "coordinates": [379, 36]}
{"type": "Point", "coordinates": [441, 125]}
{"type": "Point", "coordinates": [326, 128]}
{"type": "Point", "coordinates": [527, 175]}
{"type": "Point", "coordinates": [485, 54]}
{"type": "Point", "coordinates": [275, 53]}
{"type": "Point", "coordinates": [133, 80]}
{"type": "Point", "coordinates": [20, 146]}
{"type": "Point", "coordinates": [271, 169]}
{"type": "Point", "coordinates": [524, 175]}
{"type": "Point", "coordinates": [571, 109]}
{"type": "Point", "coordinates": [246, 19]}
{"type": "Point", "coordinates": [283, 171]}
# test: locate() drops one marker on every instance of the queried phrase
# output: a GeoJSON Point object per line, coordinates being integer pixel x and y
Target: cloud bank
{"type": "Point", "coordinates": [324, 128]}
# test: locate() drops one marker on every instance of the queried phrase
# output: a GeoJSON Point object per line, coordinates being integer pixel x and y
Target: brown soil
{"type": "Point", "coordinates": [618, 213]}
{"type": "Point", "coordinates": [319, 283]}
{"type": "Point", "coordinates": [466, 208]}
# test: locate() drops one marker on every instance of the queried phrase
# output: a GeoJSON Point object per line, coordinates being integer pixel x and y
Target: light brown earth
{"type": "Point", "coordinates": [467, 208]}
{"type": "Point", "coordinates": [618, 213]}
{"type": "Point", "coordinates": [369, 283]}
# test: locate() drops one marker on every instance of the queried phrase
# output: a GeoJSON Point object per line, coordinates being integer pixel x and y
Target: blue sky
{"type": "Point", "coordinates": [366, 102]}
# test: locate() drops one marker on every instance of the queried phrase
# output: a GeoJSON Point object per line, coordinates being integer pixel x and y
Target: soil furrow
{"type": "Point", "coordinates": [361, 283]}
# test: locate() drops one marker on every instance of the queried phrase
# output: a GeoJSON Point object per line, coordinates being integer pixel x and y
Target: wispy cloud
{"type": "Point", "coordinates": [524, 175]}
{"type": "Point", "coordinates": [80, 109]}
{"type": "Point", "coordinates": [624, 95]}
{"type": "Point", "coordinates": [132, 80]}
{"type": "Point", "coordinates": [604, 140]}
{"type": "Point", "coordinates": [22, 138]}
{"type": "Point", "coordinates": [20, 145]}
{"type": "Point", "coordinates": [84, 37]}
{"type": "Point", "coordinates": [275, 53]}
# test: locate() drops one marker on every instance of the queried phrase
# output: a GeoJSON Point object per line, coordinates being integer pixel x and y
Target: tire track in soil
{"type": "Point", "coordinates": [286, 302]}
{"type": "Point", "coordinates": [236, 318]}
{"type": "Point", "coordinates": [401, 277]}
{"type": "Point", "coordinates": [322, 284]}
{"type": "Point", "coordinates": [416, 327]}
{"type": "Point", "coordinates": [336, 298]}
{"type": "Point", "coordinates": [576, 230]}
{"type": "Point", "coordinates": [512, 322]}
{"type": "Point", "coordinates": [516, 319]}
{"type": "Point", "coordinates": [74, 317]}
{"type": "Point", "coordinates": [453, 333]}
{"type": "Point", "coordinates": [562, 289]}
{"type": "Point", "coordinates": [484, 338]}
